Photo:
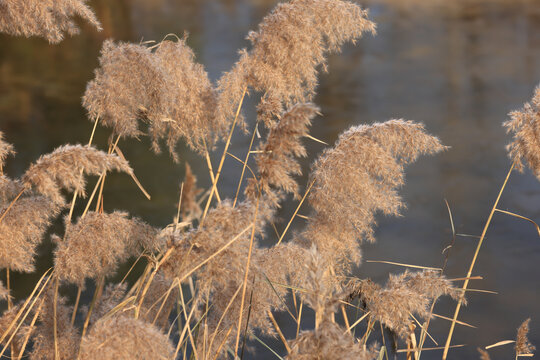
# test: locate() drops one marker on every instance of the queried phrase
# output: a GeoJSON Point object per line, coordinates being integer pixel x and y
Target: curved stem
{"type": "Point", "coordinates": [473, 262]}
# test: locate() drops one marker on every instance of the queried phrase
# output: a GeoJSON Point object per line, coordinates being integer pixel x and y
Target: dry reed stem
{"type": "Point", "coordinates": [280, 333]}
{"type": "Point", "coordinates": [245, 163]}
{"type": "Point", "coordinates": [31, 326]}
{"type": "Point", "coordinates": [296, 211]}
{"type": "Point", "coordinates": [55, 325]}
{"type": "Point", "coordinates": [214, 183]}
{"type": "Point", "coordinates": [187, 320]}
{"type": "Point", "coordinates": [473, 262]}
{"type": "Point", "coordinates": [223, 316]}
{"type": "Point", "coordinates": [95, 299]}
{"type": "Point", "coordinates": [76, 305]}
{"type": "Point", "coordinates": [33, 301]}
{"type": "Point", "coordinates": [250, 251]}
{"type": "Point", "coordinates": [193, 343]}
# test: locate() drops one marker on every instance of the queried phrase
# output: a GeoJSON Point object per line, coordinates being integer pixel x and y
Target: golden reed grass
{"type": "Point", "coordinates": [209, 288]}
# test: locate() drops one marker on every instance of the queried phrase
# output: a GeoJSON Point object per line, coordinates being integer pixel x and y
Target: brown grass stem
{"type": "Point", "coordinates": [12, 203]}
{"type": "Point", "coordinates": [279, 332]}
{"type": "Point", "coordinates": [210, 168]}
{"type": "Point", "coordinates": [30, 300]}
{"type": "Point", "coordinates": [473, 262]}
{"type": "Point", "coordinates": [296, 211]}
{"type": "Point", "coordinates": [214, 183]}
{"type": "Point", "coordinates": [76, 305]}
{"type": "Point", "coordinates": [30, 329]}
{"type": "Point", "coordinates": [250, 251]}
{"type": "Point", "coordinates": [95, 299]}
{"type": "Point", "coordinates": [245, 164]}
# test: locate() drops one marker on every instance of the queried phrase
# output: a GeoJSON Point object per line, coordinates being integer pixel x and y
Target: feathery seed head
{"type": "Point", "coordinates": [524, 124]}
{"type": "Point", "coordinates": [49, 19]}
{"type": "Point", "coordinates": [123, 337]}
{"type": "Point", "coordinates": [98, 243]}
{"type": "Point", "coordinates": [523, 345]}
{"type": "Point", "coordinates": [358, 177]}
{"type": "Point", "coordinates": [61, 169]}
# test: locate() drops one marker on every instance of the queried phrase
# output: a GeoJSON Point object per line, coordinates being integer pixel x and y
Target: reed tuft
{"type": "Point", "coordinates": [50, 19]}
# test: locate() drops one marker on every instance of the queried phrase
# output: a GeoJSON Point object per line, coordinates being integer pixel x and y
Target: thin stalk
{"type": "Point", "coordinates": [295, 212]}
{"type": "Point", "coordinates": [8, 284]}
{"type": "Point", "coordinates": [77, 299]}
{"type": "Point", "coordinates": [473, 262]}
{"type": "Point", "coordinates": [95, 299]}
{"type": "Point", "coordinates": [31, 328]}
{"type": "Point", "coordinates": [245, 164]}
{"type": "Point", "coordinates": [12, 203]}
{"type": "Point", "coordinates": [253, 228]}
{"type": "Point", "coordinates": [280, 334]}
{"type": "Point", "coordinates": [214, 183]}
{"type": "Point", "coordinates": [210, 167]}
{"type": "Point", "coordinates": [55, 321]}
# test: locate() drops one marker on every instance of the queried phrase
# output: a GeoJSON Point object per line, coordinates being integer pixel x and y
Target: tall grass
{"type": "Point", "coordinates": [209, 289]}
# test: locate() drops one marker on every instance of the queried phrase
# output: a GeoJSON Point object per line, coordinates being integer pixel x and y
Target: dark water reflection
{"type": "Point", "coordinates": [458, 66]}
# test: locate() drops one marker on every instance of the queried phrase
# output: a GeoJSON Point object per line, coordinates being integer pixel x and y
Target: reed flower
{"type": "Point", "coordinates": [329, 341]}
{"type": "Point", "coordinates": [189, 207]}
{"type": "Point", "coordinates": [523, 345]}
{"type": "Point", "coordinates": [524, 124]}
{"type": "Point", "coordinates": [187, 103]}
{"type": "Point", "coordinates": [404, 294]}
{"type": "Point", "coordinates": [98, 243]}
{"type": "Point", "coordinates": [22, 229]}
{"type": "Point", "coordinates": [484, 355]}
{"type": "Point", "coordinates": [222, 244]}
{"type": "Point", "coordinates": [49, 19]}
{"type": "Point", "coordinates": [4, 293]}
{"type": "Point", "coordinates": [165, 88]}
{"type": "Point", "coordinates": [126, 83]}
{"type": "Point", "coordinates": [290, 44]}
{"type": "Point", "coordinates": [122, 337]}
{"type": "Point", "coordinates": [6, 149]}
{"type": "Point", "coordinates": [68, 337]}
{"type": "Point", "coordinates": [357, 178]}
{"type": "Point", "coordinates": [276, 162]}
{"type": "Point", "coordinates": [62, 169]}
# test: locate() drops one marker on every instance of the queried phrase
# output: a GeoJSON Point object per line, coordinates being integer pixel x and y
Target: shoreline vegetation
{"type": "Point", "coordinates": [209, 289]}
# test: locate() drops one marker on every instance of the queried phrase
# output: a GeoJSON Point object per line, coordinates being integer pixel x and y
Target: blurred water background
{"type": "Point", "coordinates": [458, 66]}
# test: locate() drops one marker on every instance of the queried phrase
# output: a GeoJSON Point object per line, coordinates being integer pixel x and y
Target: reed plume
{"type": "Point", "coordinates": [165, 88]}
{"type": "Point", "coordinates": [67, 337]}
{"type": "Point", "coordinates": [61, 169]}
{"type": "Point", "coordinates": [126, 83]}
{"type": "Point", "coordinates": [189, 207]}
{"type": "Point", "coordinates": [159, 302]}
{"type": "Point", "coordinates": [523, 345]}
{"type": "Point", "coordinates": [404, 294]}
{"type": "Point", "coordinates": [6, 149]}
{"type": "Point", "coordinates": [276, 162]}
{"type": "Point", "coordinates": [22, 229]}
{"type": "Point", "coordinates": [187, 104]}
{"type": "Point", "coordinates": [328, 340]}
{"type": "Point", "coordinates": [112, 295]}
{"type": "Point", "coordinates": [358, 178]}
{"type": "Point", "coordinates": [50, 19]}
{"type": "Point", "coordinates": [124, 337]}
{"type": "Point", "coordinates": [4, 293]}
{"type": "Point", "coordinates": [225, 236]}
{"type": "Point", "coordinates": [98, 243]}
{"type": "Point", "coordinates": [524, 124]}
{"type": "Point", "coordinates": [289, 45]}
{"type": "Point", "coordinates": [484, 355]}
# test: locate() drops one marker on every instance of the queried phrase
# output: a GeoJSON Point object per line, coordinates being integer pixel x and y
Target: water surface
{"type": "Point", "coordinates": [457, 66]}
